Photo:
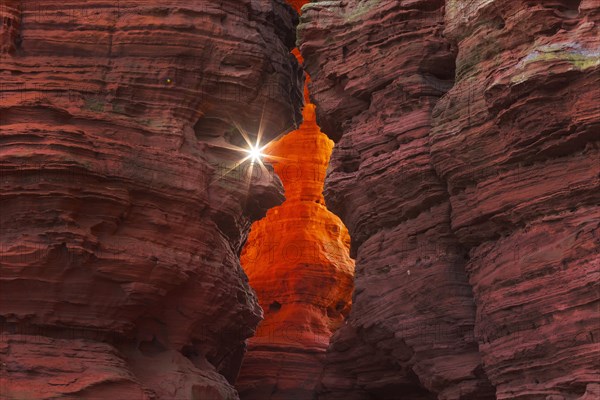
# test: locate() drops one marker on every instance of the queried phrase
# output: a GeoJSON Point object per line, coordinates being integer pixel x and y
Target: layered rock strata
{"type": "Point", "coordinates": [121, 222]}
{"type": "Point", "coordinates": [297, 259]}
{"type": "Point", "coordinates": [517, 142]}
{"type": "Point", "coordinates": [410, 332]}
{"type": "Point", "coordinates": [466, 169]}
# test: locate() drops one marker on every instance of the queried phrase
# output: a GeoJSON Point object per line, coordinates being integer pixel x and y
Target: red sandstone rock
{"type": "Point", "coordinates": [120, 233]}
{"type": "Point", "coordinates": [471, 194]}
{"type": "Point", "coordinates": [511, 198]}
{"type": "Point", "coordinates": [410, 331]}
{"type": "Point", "coordinates": [523, 170]}
{"type": "Point", "coordinates": [297, 260]}
{"type": "Point", "coordinates": [10, 17]}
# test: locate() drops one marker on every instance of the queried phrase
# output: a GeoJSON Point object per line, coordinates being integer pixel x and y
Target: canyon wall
{"type": "Point", "coordinates": [516, 140]}
{"type": "Point", "coordinates": [121, 221]}
{"type": "Point", "coordinates": [466, 168]}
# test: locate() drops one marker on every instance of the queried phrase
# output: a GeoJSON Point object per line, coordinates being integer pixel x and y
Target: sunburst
{"type": "Point", "coordinates": [254, 152]}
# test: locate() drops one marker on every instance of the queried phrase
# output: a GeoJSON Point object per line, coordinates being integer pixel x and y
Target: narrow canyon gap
{"type": "Point", "coordinates": [297, 260]}
{"type": "Point", "coordinates": [466, 167]}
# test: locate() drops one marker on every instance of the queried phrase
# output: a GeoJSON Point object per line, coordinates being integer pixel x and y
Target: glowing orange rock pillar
{"type": "Point", "coordinates": [298, 263]}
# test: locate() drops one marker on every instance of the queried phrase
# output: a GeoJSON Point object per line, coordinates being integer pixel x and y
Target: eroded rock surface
{"type": "Point", "coordinates": [121, 230]}
{"type": "Point", "coordinates": [297, 259]}
{"type": "Point", "coordinates": [516, 140]}
{"type": "Point", "coordinates": [411, 326]}
{"type": "Point", "coordinates": [466, 169]}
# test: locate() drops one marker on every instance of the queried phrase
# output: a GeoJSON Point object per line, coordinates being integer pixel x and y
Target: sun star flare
{"type": "Point", "coordinates": [255, 153]}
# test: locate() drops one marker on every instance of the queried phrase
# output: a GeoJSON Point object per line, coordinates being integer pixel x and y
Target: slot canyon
{"type": "Point", "coordinates": [300, 200]}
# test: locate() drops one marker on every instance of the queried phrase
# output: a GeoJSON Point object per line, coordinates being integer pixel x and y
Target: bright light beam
{"type": "Point", "coordinates": [255, 153]}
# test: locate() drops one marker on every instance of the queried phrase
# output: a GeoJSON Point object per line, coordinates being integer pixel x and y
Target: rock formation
{"type": "Point", "coordinates": [410, 330]}
{"type": "Point", "coordinates": [516, 141]}
{"type": "Point", "coordinates": [121, 223]}
{"type": "Point", "coordinates": [297, 260]}
{"type": "Point", "coordinates": [466, 167]}
{"type": "Point", "coordinates": [467, 171]}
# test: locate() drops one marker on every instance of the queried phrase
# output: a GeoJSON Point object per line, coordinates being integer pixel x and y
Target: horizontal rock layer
{"type": "Point", "coordinates": [121, 222]}
{"type": "Point", "coordinates": [410, 332]}
{"type": "Point", "coordinates": [297, 260]}
{"type": "Point", "coordinates": [467, 170]}
{"type": "Point", "coordinates": [516, 141]}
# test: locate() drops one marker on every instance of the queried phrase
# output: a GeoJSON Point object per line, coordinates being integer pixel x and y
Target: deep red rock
{"type": "Point", "coordinates": [466, 168]}
{"type": "Point", "coordinates": [466, 161]}
{"type": "Point", "coordinates": [120, 230]}
{"type": "Point", "coordinates": [516, 140]}
{"type": "Point", "coordinates": [410, 331]}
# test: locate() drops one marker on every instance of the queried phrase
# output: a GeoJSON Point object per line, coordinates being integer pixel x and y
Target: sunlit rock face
{"type": "Point", "coordinates": [467, 171]}
{"type": "Point", "coordinates": [119, 274]}
{"type": "Point", "coordinates": [297, 260]}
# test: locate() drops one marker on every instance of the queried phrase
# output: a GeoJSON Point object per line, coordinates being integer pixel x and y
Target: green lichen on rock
{"type": "Point", "coordinates": [94, 104]}
{"type": "Point", "coordinates": [362, 8]}
{"type": "Point", "coordinates": [580, 59]}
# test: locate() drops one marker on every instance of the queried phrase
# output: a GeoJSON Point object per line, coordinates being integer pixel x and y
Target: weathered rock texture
{"type": "Point", "coordinates": [516, 141]}
{"type": "Point", "coordinates": [120, 231]}
{"type": "Point", "coordinates": [297, 259]}
{"type": "Point", "coordinates": [467, 171]}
